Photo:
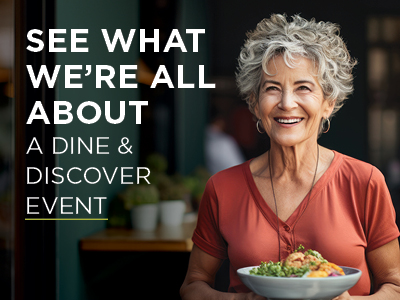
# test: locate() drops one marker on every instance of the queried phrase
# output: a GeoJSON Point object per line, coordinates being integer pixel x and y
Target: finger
{"type": "Point", "coordinates": [254, 296]}
{"type": "Point", "coordinates": [345, 295]}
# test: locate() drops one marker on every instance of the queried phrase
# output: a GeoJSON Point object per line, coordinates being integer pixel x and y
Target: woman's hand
{"type": "Point", "coordinates": [252, 296]}
{"type": "Point", "coordinates": [344, 296]}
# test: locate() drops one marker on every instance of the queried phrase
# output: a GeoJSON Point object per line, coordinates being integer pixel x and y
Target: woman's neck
{"type": "Point", "coordinates": [293, 162]}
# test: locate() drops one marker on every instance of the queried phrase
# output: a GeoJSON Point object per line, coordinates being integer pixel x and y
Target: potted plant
{"type": "Point", "coordinates": [142, 201]}
{"type": "Point", "coordinates": [157, 163]}
{"type": "Point", "coordinates": [196, 184]}
{"type": "Point", "coordinates": [172, 205]}
{"type": "Point", "coordinates": [118, 216]}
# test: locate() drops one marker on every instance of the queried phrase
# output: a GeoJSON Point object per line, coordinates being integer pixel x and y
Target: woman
{"type": "Point", "coordinates": [295, 77]}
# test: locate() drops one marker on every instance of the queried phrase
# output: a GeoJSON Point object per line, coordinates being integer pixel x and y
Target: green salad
{"type": "Point", "coordinates": [278, 270]}
{"type": "Point", "coordinates": [299, 264]}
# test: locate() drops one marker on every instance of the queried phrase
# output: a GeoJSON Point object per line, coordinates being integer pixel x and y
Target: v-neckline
{"type": "Point", "coordinates": [269, 214]}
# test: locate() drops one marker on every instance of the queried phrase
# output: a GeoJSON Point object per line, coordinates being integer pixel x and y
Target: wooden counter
{"type": "Point", "coordinates": [164, 238]}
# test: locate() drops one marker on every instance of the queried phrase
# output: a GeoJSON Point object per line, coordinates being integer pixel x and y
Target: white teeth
{"type": "Point", "coordinates": [289, 121]}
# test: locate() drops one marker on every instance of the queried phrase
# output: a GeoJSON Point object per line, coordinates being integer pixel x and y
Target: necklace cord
{"type": "Point", "coordinates": [276, 206]}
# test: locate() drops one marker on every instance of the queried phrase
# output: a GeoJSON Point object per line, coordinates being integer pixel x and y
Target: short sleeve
{"type": "Point", "coordinates": [380, 216]}
{"type": "Point", "coordinates": [207, 235]}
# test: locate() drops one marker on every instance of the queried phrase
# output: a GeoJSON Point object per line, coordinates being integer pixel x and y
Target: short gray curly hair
{"type": "Point", "coordinates": [319, 42]}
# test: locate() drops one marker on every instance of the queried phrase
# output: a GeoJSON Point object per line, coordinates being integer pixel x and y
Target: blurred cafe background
{"type": "Point", "coordinates": [109, 259]}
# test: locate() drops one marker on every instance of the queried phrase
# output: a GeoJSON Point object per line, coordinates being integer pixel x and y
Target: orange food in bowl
{"type": "Point", "coordinates": [318, 274]}
{"type": "Point", "coordinates": [325, 270]}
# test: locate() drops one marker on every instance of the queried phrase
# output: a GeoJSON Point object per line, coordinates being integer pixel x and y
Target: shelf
{"type": "Point", "coordinates": [164, 238]}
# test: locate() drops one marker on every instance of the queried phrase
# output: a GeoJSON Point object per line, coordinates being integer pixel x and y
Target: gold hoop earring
{"type": "Point", "coordinates": [258, 126]}
{"type": "Point", "coordinates": [329, 125]}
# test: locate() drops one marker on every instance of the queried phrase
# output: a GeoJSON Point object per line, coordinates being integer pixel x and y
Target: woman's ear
{"type": "Point", "coordinates": [329, 108]}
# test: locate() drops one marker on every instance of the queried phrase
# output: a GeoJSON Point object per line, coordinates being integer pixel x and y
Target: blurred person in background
{"type": "Point", "coordinates": [222, 151]}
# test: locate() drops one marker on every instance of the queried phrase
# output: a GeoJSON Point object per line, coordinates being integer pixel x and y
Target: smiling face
{"type": "Point", "coordinates": [291, 103]}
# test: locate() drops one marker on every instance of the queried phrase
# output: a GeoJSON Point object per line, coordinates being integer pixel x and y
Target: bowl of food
{"type": "Point", "coordinates": [301, 276]}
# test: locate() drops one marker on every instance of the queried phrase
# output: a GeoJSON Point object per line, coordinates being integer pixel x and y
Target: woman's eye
{"type": "Point", "coordinates": [304, 88]}
{"type": "Point", "coordinates": [272, 88]}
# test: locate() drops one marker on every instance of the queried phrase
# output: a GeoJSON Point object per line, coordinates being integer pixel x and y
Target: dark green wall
{"type": "Point", "coordinates": [191, 104]}
{"type": "Point", "coordinates": [93, 15]}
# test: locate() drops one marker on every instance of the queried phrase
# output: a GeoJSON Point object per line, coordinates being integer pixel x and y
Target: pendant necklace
{"type": "Point", "coordinates": [276, 206]}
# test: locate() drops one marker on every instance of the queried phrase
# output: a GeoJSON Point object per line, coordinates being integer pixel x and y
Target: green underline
{"type": "Point", "coordinates": [63, 219]}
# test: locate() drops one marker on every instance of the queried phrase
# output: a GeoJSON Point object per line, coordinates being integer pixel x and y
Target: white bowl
{"type": "Point", "coordinates": [299, 288]}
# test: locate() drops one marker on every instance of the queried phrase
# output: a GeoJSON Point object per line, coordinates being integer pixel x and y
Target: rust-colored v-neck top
{"type": "Point", "coordinates": [350, 212]}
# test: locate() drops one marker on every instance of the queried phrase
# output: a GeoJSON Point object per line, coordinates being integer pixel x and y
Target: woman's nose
{"type": "Point", "coordinates": [288, 101]}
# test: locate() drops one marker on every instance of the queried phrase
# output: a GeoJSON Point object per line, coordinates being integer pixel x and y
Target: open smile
{"type": "Point", "coordinates": [288, 121]}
